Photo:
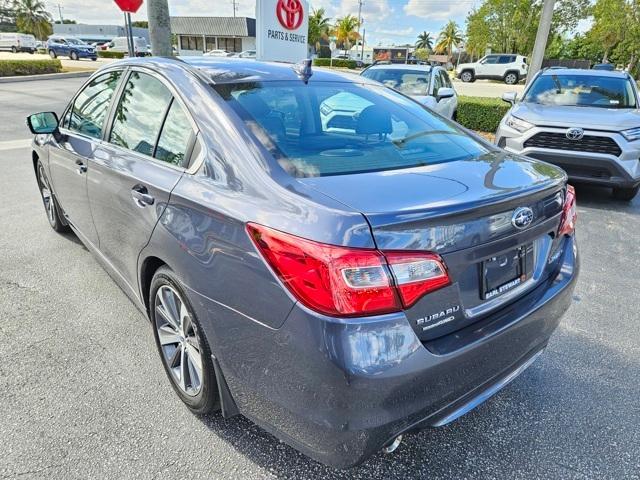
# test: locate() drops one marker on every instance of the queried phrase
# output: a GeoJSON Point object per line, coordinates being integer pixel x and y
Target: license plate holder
{"type": "Point", "coordinates": [502, 273]}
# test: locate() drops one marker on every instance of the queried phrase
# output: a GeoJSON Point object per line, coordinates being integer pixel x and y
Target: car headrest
{"type": "Point", "coordinates": [374, 120]}
{"type": "Point", "coordinates": [253, 104]}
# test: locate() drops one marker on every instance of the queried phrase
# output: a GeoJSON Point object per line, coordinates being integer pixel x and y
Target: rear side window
{"type": "Point", "coordinates": [175, 137]}
{"type": "Point", "coordinates": [507, 59]}
{"type": "Point", "coordinates": [89, 110]}
{"type": "Point", "coordinates": [140, 113]}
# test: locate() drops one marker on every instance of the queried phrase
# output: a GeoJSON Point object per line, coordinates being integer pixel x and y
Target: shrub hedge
{"type": "Point", "coordinates": [10, 68]}
{"type": "Point", "coordinates": [482, 114]}
{"type": "Point", "coordinates": [110, 54]}
{"type": "Point", "coordinates": [337, 62]}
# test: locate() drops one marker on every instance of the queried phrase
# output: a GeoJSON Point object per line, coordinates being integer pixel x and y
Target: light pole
{"type": "Point", "coordinates": [159, 27]}
{"type": "Point", "coordinates": [541, 39]}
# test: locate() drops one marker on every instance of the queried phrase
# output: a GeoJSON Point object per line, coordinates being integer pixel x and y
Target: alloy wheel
{"type": "Point", "coordinates": [178, 337]}
{"type": "Point", "coordinates": [466, 77]}
{"type": "Point", "coordinates": [511, 79]}
{"type": "Point", "coordinates": [47, 198]}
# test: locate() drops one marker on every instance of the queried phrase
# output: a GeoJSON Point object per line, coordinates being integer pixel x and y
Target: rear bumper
{"type": "Point", "coordinates": [339, 390]}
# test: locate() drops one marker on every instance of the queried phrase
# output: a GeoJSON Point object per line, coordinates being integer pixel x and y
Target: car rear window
{"type": "Point", "coordinates": [582, 91]}
{"type": "Point", "coordinates": [325, 128]}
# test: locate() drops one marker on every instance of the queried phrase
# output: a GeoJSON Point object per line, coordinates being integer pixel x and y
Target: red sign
{"type": "Point", "coordinates": [130, 6]}
{"type": "Point", "coordinates": [290, 13]}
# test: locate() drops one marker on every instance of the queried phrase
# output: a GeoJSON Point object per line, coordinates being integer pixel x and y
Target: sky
{"type": "Point", "coordinates": [386, 22]}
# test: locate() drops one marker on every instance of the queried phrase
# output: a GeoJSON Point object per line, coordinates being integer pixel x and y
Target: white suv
{"type": "Point", "coordinates": [510, 68]}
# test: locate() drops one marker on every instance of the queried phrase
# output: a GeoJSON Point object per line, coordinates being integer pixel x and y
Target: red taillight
{"type": "Point", "coordinates": [345, 281]}
{"type": "Point", "coordinates": [569, 213]}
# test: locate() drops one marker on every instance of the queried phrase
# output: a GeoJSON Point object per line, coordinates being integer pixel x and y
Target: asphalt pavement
{"type": "Point", "coordinates": [83, 393]}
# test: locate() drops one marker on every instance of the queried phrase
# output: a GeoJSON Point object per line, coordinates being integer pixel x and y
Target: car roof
{"type": "Point", "coordinates": [400, 66]}
{"type": "Point", "coordinates": [584, 72]}
{"type": "Point", "coordinates": [221, 70]}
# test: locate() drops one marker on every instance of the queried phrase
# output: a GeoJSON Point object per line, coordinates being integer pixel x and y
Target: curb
{"type": "Point", "coordinates": [45, 76]}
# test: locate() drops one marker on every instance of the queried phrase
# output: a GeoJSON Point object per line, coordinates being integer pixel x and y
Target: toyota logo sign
{"type": "Point", "coordinates": [290, 13]}
{"type": "Point", "coordinates": [575, 133]}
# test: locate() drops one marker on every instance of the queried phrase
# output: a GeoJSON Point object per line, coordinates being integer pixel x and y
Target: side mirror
{"type": "Point", "coordinates": [43, 123]}
{"type": "Point", "coordinates": [445, 92]}
{"type": "Point", "coordinates": [510, 97]}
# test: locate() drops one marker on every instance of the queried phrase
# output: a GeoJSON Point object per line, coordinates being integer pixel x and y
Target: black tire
{"type": "Point", "coordinates": [625, 194]}
{"type": "Point", "coordinates": [32, 52]}
{"type": "Point", "coordinates": [52, 54]}
{"type": "Point", "coordinates": [511, 78]}
{"type": "Point", "coordinates": [467, 76]}
{"type": "Point", "coordinates": [207, 399]}
{"type": "Point", "coordinates": [49, 201]}
{"type": "Point", "coordinates": [14, 50]}
{"type": "Point", "coordinates": [93, 59]}
{"type": "Point", "coordinates": [73, 55]}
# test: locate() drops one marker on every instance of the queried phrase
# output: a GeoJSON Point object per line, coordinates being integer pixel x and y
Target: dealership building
{"type": "Point", "coordinates": [96, 33]}
{"type": "Point", "coordinates": [197, 35]}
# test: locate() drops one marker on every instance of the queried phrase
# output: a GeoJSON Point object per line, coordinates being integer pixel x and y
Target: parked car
{"type": "Point", "coordinates": [74, 48]}
{"type": "Point", "coordinates": [17, 42]}
{"type": "Point", "coordinates": [341, 288]}
{"type": "Point", "coordinates": [121, 44]}
{"type": "Point", "coordinates": [246, 54]}
{"type": "Point", "coordinates": [585, 121]}
{"type": "Point", "coordinates": [429, 85]}
{"type": "Point", "coordinates": [218, 53]}
{"type": "Point", "coordinates": [604, 66]}
{"type": "Point", "coordinates": [509, 68]}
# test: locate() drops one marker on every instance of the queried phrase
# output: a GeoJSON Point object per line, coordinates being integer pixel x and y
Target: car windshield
{"type": "Point", "coordinates": [582, 91]}
{"type": "Point", "coordinates": [75, 41]}
{"type": "Point", "coordinates": [326, 128]}
{"type": "Point", "coordinates": [409, 82]}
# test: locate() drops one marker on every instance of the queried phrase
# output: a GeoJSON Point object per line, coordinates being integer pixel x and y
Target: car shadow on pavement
{"type": "Point", "coordinates": [602, 199]}
{"type": "Point", "coordinates": [573, 414]}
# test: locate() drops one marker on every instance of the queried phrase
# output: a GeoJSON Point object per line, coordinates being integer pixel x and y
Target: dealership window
{"type": "Point", "coordinates": [210, 43]}
{"type": "Point", "coordinates": [230, 44]}
{"type": "Point", "coordinates": [191, 42]}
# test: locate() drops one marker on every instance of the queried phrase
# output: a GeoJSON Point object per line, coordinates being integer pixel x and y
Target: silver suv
{"type": "Point", "coordinates": [585, 121]}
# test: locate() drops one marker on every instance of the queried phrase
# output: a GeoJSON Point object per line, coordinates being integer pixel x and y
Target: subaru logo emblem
{"type": "Point", "coordinates": [522, 217]}
{"type": "Point", "coordinates": [575, 133]}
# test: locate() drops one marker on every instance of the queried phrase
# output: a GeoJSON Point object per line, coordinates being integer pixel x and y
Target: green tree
{"type": "Point", "coordinates": [319, 28]}
{"type": "Point", "coordinates": [449, 37]}
{"type": "Point", "coordinates": [424, 41]}
{"type": "Point", "coordinates": [609, 23]}
{"type": "Point", "coordinates": [33, 18]}
{"type": "Point", "coordinates": [140, 24]}
{"type": "Point", "coordinates": [346, 31]}
{"type": "Point", "coordinates": [422, 54]}
{"type": "Point", "coordinates": [478, 34]}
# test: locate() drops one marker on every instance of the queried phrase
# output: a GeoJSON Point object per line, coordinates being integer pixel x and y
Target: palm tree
{"type": "Point", "coordinates": [425, 41]}
{"type": "Point", "coordinates": [346, 31]}
{"type": "Point", "coordinates": [319, 28]}
{"type": "Point", "coordinates": [32, 17]}
{"type": "Point", "coordinates": [449, 37]}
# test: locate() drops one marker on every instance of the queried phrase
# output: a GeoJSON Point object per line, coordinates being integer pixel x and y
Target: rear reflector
{"type": "Point", "coordinates": [342, 281]}
{"type": "Point", "coordinates": [569, 213]}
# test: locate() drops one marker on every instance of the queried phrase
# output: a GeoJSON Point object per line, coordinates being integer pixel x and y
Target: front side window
{"type": "Point", "coordinates": [328, 128]}
{"type": "Point", "coordinates": [140, 113]}
{"type": "Point", "coordinates": [409, 82]}
{"type": "Point", "coordinates": [582, 91]}
{"type": "Point", "coordinates": [490, 60]}
{"type": "Point", "coordinates": [89, 110]}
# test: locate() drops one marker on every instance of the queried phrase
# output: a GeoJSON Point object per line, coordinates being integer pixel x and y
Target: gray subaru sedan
{"type": "Point", "coordinates": [314, 251]}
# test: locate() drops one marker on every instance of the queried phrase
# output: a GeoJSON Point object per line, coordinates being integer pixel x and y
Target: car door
{"type": "Point", "coordinates": [487, 66]}
{"type": "Point", "coordinates": [71, 156]}
{"type": "Point", "coordinates": [137, 167]}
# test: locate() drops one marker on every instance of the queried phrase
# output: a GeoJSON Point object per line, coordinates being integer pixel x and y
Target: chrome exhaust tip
{"type": "Point", "coordinates": [393, 445]}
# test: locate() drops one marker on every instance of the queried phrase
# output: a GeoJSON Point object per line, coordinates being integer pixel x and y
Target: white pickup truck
{"type": "Point", "coordinates": [508, 67]}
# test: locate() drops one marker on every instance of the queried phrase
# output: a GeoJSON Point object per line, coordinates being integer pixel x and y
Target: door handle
{"type": "Point", "coordinates": [82, 168]}
{"type": "Point", "coordinates": [141, 196]}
